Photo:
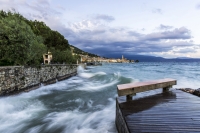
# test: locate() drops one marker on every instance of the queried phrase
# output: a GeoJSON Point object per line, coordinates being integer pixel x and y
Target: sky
{"type": "Point", "coordinates": [112, 28]}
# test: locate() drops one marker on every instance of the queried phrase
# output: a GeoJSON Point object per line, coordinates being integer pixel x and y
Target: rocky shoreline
{"type": "Point", "coordinates": [191, 91]}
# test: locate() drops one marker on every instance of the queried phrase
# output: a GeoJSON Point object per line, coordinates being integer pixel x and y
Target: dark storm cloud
{"type": "Point", "coordinates": [116, 49]}
{"type": "Point", "coordinates": [178, 33]}
{"type": "Point", "coordinates": [143, 43]}
{"type": "Point", "coordinates": [103, 47]}
{"type": "Point", "coordinates": [105, 18]}
{"type": "Point", "coordinates": [157, 10]}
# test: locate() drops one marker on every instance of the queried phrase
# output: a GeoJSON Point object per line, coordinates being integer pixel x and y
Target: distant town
{"type": "Point", "coordinates": [85, 58]}
{"type": "Point", "coordinates": [92, 60]}
{"type": "Point", "coordinates": [89, 59]}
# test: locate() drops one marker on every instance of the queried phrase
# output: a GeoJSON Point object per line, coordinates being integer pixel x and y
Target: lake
{"type": "Point", "coordinates": [86, 102]}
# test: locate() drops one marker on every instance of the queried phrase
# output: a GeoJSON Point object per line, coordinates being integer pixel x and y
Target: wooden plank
{"type": "Point", "coordinates": [132, 88]}
{"type": "Point", "coordinates": [120, 121]}
{"type": "Point", "coordinates": [172, 111]}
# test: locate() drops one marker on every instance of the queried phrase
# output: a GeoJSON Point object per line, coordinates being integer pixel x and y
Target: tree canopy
{"type": "Point", "coordinates": [18, 44]}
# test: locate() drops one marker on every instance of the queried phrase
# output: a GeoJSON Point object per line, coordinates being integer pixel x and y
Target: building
{"type": "Point", "coordinates": [47, 58]}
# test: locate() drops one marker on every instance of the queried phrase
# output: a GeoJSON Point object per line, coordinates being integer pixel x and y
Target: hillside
{"type": "Point", "coordinates": [81, 52]}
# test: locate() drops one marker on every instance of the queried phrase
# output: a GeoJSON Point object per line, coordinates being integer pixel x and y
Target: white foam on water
{"type": "Point", "coordinates": [15, 111]}
{"type": "Point", "coordinates": [90, 67]}
{"type": "Point", "coordinates": [100, 73]}
{"type": "Point", "coordinates": [36, 129]}
{"type": "Point", "coordinates": [80, 69]}
{"type": "Point", "coordinates": [101, 121]}
{"type": "Point", "coordinates": [86, 75]}
{"type": "Point", "coordinates": [187, 83]}
{"type": "Point", "coordinates": [99, 85]}
{"type": "Point", "coordinates": [90, 75]}
{"type": "Point", "coordinates": [61, 85]}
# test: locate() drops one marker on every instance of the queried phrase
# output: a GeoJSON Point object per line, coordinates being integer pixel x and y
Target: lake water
{"type": "Point", "coordinates": [86, 103]}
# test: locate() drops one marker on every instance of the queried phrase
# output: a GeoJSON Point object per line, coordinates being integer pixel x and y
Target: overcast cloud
{"type": "Point", "coordinates": [106, 33]}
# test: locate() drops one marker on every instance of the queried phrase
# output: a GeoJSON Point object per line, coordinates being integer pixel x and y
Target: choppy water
{"type": "Point", "coordinates": [85, 103]}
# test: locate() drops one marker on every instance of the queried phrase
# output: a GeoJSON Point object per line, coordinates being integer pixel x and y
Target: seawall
{"type": "Point", "coordinates": [15, 79]}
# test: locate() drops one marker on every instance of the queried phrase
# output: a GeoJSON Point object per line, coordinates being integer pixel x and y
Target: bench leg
{"type": "Point", "coordinates": [129, 97]}
{"type": "Point", "coordinates": [166, 88]}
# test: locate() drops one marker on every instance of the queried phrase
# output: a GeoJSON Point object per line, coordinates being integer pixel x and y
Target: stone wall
{"type": "Point", "coordinates": [19, 78]}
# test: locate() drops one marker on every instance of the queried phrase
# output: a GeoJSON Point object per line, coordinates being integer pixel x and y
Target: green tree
{"type": "Point", "coordinates": [17, 40]}
{"type": "Point", "coordinates": [62, 56]}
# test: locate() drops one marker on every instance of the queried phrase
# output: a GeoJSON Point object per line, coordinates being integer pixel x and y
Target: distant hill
{"type": "Point", "coordinates": [81, 52]}
{"type": "Point", "coordinates": [143, 58]}
{"type": "Point", "coordinates": [183, 59]}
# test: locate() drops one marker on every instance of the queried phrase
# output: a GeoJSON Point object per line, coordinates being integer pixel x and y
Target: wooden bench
{"type": "Point", "coordinates": [131, 89]}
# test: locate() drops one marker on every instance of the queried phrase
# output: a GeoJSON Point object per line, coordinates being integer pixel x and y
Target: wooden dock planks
{"type": "Point", "coordinates": [172, 111]}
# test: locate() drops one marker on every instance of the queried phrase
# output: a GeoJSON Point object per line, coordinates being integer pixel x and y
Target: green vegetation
{"type": "Point", "coordinates": [81, 52]}
{"type": "Point", "coordinates": [18, 44]}
{"type": "Point", "coordinates": [23, 42]}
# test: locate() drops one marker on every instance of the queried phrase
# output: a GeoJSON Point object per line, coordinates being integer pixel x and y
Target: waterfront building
{"type": "Point", "coordinates": [47, 58]}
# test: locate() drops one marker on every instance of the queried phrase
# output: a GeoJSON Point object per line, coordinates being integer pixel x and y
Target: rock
{"type": "Point", "coordinates": [188, 90]}
{"type": "Point", "coordinates": [197, 92]}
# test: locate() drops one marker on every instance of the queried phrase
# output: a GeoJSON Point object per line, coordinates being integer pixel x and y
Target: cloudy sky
{"type": "Point", "coordinates": [164, 28]}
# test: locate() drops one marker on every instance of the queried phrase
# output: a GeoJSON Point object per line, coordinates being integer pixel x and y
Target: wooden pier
{"type": "Point", "coordinates": [168, 111]}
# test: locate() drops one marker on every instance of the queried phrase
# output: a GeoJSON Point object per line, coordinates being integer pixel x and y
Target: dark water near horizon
{"type": "Point", "coordinates": [86, 103]}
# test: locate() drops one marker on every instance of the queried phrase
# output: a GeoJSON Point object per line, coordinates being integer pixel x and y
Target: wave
{"type": "Point", "coordinates": [16, 111]}
{"type": "Point", "coordinates": [82, 122]}
{"type": "Point", "coordinates": [89, 75]}
{"type": "Point", "coordinates": [101, 81]}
